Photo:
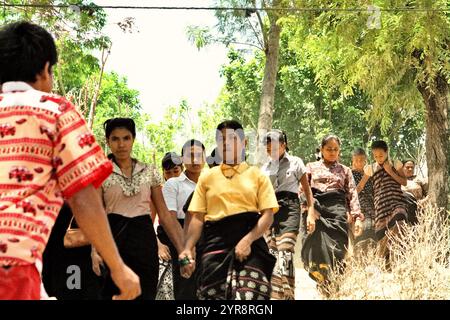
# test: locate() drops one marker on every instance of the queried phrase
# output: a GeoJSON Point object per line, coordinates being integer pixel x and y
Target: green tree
{"type": "Point", "coordinates": [179, 124]}
{"type": "Point", "coordinates": [116, 99]}
{"type": "Point", "coordinates": [77, 32]}
{"type": "Point", "coordinates": [79, 73]}
{"type": "Point", "coordinates": [258, 28]}
{"type": "Point", "coordinates": [402, 66]}
{"type": "Point", "coordinates": [306, 110]}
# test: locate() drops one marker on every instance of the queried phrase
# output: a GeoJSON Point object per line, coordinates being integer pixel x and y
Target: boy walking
{"type": "Point", "coordinates": [47, 153]}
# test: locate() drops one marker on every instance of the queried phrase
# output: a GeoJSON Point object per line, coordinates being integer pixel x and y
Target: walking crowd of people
{"type": "Point", "coordinates": [227, 232]}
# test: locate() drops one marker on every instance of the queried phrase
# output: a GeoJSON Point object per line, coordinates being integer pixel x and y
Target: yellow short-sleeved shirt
{"type": "Point", "coordinates": [248, 190]}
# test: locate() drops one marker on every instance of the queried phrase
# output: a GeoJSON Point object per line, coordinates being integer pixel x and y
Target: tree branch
{"type": "Point", "coordinates": [261, 25]}
{"type": "Point", "coordinates": [105, 55]}
{"type": "Point", "coordinates": [246, 44]}
{"type": "Point", "coordinates": [261, 42]}
{"type": "Point", "coordinates": [256, 33]}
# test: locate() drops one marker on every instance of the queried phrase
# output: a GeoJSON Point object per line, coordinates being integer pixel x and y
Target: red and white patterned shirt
{"type": "Point", "coordinates": [47, 153]}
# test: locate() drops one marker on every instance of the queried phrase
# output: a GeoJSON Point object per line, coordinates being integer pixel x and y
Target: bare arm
{"type": "Point", "coordinates": [362, 183]}
{"type": "Point", "coordinates": [187, 221]}
{"type": "Point", "coordinates": [307, 191]}
{"type": "Point", "coordinates": [194, 232]}
{"type": "Point", "coordinates": [168, 220]}
{"type": "Point", "coordinates": [243, 248]}
{"type": "Point", "coordinates": [313, 215]}
{"type": "Point", "coordinates": [90, 215]}
{"type": "Point", "coordinates": [400, 177]}
{"type": "Point", "coordinates": [153, 212]}
{"type": "Point", "coordinates": [261, 227]}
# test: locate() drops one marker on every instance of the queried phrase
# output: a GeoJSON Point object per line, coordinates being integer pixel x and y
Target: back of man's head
{"type": "Point", "coordinates": [25, 48]}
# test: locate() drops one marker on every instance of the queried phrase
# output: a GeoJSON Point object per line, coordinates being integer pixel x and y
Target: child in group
{"type": "Point", "coordinates": [364, 187]}
{"type": "Point", "coordinates": [172, 165]}
{"type": "Point", "coordinates": [389, 201]}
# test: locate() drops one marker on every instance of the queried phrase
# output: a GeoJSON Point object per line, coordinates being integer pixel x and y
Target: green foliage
{"type": "Point", "coordinates": [179, 125]}
{"type": "Point", "coordinates": [200, 36]}
{"type": "Point", "coordinates": [116, 99]}
{"type": "Point", "coordinates": [75, 66]}
{"type": "Point", "coordinates": [308, 110]}
{"type": "Point", "coordinates": [244, 27]}
{"type": "Point", "coordinates": [161, 136]}
{"type": "Point", "coordinates": [241, 94]}
{"type": "Point", "coordinates": [238, 25]}
{"type": "Point", "coordinates": [387, 64]}
{"type": "Point", "coordinates": [402, 66]}
{"type": "Point", "coordinates": [77, 72]}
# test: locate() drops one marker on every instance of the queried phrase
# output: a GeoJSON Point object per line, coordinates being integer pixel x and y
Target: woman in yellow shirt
{"type": "Point", "coordinates": [233, 204]}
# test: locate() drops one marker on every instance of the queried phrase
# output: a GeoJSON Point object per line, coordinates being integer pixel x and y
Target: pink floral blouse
{"type": "Point", "coordinates": [337, 177]}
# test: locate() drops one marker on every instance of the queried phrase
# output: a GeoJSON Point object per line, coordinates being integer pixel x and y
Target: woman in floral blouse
{"type": "Point", "coordinates": [335, 196]}
{"type": "Point", "coordinates": [126, 195]}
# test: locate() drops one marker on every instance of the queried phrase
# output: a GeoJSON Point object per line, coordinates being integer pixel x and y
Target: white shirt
{"type": "Point", "coordinates": [176, 191]}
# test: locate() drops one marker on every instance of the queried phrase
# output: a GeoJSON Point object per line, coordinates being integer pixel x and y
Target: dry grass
{"type": "Point", "coordinates": [419, 265]}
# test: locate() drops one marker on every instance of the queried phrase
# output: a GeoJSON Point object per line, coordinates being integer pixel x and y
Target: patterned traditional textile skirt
{"type": "Point", "coordinates": [328, 244]}
{"type": "Point", "coordinates": [367, 239]}
{"type": "Point", "coordinates": [222, 276]}
{"type": "Point", "coordinates": [281, 238]}
{"type": "Point", "coordinates": [165, 281]}
{"type": "Point", "coordinates": [390, 203]}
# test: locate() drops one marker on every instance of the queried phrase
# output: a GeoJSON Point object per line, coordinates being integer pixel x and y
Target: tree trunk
{"type": "Point", "coordinates": [105, 55]}
{"type": "Point", "coordinates": [268, 89]}
{"type": "Point", "coordinates": [437, 139]}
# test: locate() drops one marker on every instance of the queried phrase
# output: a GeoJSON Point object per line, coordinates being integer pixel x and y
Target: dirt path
{"type": "Point", "coordinates": [305, 287]}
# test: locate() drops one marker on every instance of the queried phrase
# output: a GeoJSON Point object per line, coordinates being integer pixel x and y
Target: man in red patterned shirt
{"type": "Point", "coordinates": [47, 154]}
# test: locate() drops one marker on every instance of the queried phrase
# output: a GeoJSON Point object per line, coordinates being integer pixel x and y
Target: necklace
{"type": "Point", "coordinates": [128, 180]}
{"type": "Point", "coordinates": [226, 171]}
{"type": "Point", "coordinates": [329, 164]}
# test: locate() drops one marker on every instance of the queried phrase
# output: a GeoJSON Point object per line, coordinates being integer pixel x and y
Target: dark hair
{"type": "Point", "coordinates": [25, 49]}
{"type": "Point", "coordinates": [190, 143]}
{"type": "Point", "coordinates": [359, 152]}
{"type": "Point", "coordinates": [171, 160]}
{"type": "Point", "coordinates": [380, 144]}
{"type": "Point", "coordinates": [409, 160]}
{"type": "Point", "coordinates": [328, 138]}
{"type": "Point", "coordinates": [214, 159]}
{"type": "Point", "coordinates": [317, 154]}
{"type": "Point", "coordinates": [230, 124]}
{"type": "Point", "coordinates": [278, 135]}
{"type": "Point", "coordinates": [114, 123]}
